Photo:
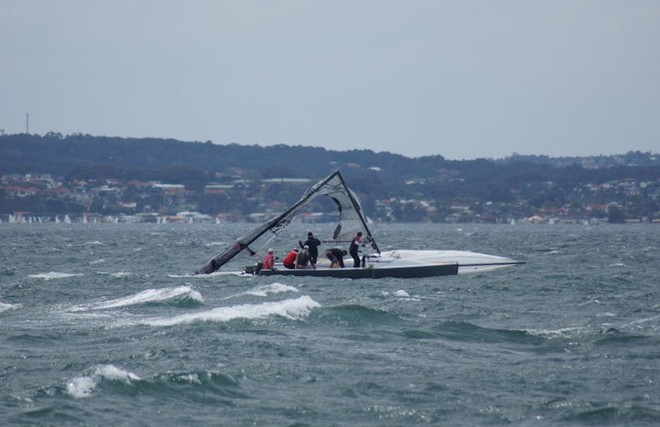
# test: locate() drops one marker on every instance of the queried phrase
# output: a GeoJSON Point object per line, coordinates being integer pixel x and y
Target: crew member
{"type": "Point", "coordinates": [313, 243]}
{"type": "Point", "coordinates": [269, 261]}
{"type": "Point", "coordinates": [336, 257]}
{"type": "Point", "coordinates": [290, 260]}
{"type": "Point", "coordinates": [303, 259]}
{"type": "Point", "coordinates": [353, 249]}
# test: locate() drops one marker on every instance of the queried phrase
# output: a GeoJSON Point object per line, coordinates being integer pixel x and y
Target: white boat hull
{"type": "Point", "coordinates": [468, 262]}
{"type": "Point", "coordinates": [401, 264]}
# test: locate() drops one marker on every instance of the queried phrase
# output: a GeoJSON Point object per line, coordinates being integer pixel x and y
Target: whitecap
{"type": "Point", "coordinates": [80, 387]}
{"type": "Point", "coordinates": [117, 275]}
{"type": "Point", "coordinates": [606, 314]}
{"type": "Point", "coordinates": [144, 297]}
{"type": "Point", "coordinates": [111, 372]}
{"type": "Point", "coordinates": [53, 275]}
{"type": "Point", "coordinates": [274, 288]}
{"type": "Point", "coordinates": [7, 307]}
{"type": "Point", "coordinates": [83, 386]}
{"type": "Point", "coordinates": [403, 295]}
{"type": "Point", "coordinates": [642, 321]}
{"type": "Point", "coordinates": [291, 309]}
{"type": "Point", "coordinates": [120, 274]}
{"type": "Point", "coordinates": [558, 333]}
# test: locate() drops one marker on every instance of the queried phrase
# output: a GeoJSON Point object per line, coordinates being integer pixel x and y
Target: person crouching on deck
{"type": "Point", "coordinates": [291, 258]}
{"type": "Point", "coordinates": [336, 257]}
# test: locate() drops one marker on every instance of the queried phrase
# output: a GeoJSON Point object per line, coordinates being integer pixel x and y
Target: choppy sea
{"type": "Point", "coordinates": [103, 324]}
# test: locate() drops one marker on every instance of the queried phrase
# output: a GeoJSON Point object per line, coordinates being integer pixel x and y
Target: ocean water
{"type": "Point", "coordinates": [102, 324]}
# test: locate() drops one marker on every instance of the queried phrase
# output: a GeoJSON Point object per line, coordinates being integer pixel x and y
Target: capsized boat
{"type": "Point", "coordinates": [374, 263]}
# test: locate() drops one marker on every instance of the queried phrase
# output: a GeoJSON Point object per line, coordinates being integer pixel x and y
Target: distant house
{"type": "Point", "coordinates": [217, 189]}
{"type": "Point", "coordinates": [16, 191]}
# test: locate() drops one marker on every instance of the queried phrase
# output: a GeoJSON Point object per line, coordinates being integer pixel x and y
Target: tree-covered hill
{"type": "Point", "coordinates": [60, 155]}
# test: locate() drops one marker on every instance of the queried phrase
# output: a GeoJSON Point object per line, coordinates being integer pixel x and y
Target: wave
{"type": "Point", "coordinates": [149, 296]}
{"type": "Point", "coordinates": [209, 244]}
{"type": "Point", "coordinates": [614, 414]}
{"type": "Point", "coordinates": [613, 337]}
{"type": "Point", "coordinates": [53, 275]}
{"type": "Point", "coordinates": [595, 334]}
{"type": "Point", "coordinates": [466, 332]}
{"type": "Point", "coordinates": [609, 338]}
{"type": "Point", "coordinates": [265, 290]}
{"type": "Point", "coordinates": [274, 288]}
{"type": "Point", "coordinates": [83, 386]}
{"type": "Point", "coordinates": [291, 309]}
{"type": "Point", "coordinates": [400, 294]}
{"type": "Point", "coordinates": [117, 275]}
{"type": "Point", "coordinates": [7, 272]}
{"type": "Point", "coordinates": [648, 321]}
{"type": "Point", "coordinates": [110, 378]}
{"type": "Point", "coordinates": [8, 307]}
{"type": "Point", "coordinates": [211, 383]}
{"type": "Point", "coordinates": [570, 332]}
{"type": "Point", "coordinates": [353, 315]}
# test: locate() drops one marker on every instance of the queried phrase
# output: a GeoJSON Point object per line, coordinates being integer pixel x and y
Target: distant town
{"type": "Point", "coordinates": [41, 198]}
{"type": "Point", "coordinates": [85, 179]}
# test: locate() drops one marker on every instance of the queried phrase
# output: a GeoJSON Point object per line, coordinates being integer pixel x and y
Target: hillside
{"type": "Point", "coordinates": [485, 189]}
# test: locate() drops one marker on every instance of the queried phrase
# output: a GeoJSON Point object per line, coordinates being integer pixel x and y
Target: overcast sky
{"type": "Point", "coordinates": [464, 79]}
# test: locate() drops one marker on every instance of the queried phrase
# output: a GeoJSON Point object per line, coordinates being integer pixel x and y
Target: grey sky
{"type": "Point", "coordinates": [463, 79]}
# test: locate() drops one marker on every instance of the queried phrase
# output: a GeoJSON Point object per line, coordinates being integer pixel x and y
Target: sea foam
{"type": "Point", "coordinates": [144, 297]}
{"type": "Point", "coordinates": [53, 275]}
{"type": "Point", "coordinates": [274, 288]}
{"type": "Point", "coordinates": [264, 290]}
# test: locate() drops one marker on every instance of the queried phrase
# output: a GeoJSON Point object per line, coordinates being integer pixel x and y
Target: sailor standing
{"type": "Point", "coordinates": [313, 243]}
{"type": "Point", "coordinates": [353, 249]}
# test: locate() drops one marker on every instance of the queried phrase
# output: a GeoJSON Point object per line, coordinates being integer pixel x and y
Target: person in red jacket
{"type": "Point", "coordinates": [290, 259]}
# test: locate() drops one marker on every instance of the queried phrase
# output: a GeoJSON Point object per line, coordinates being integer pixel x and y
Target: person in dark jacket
{"type": "Point", "coordinates": [353, 249]}
{"type": "Point", "coordinates": [313, 243]}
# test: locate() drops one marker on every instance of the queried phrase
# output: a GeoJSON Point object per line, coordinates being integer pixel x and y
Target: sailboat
{"type": "Point", "coordinates": [351, 220]}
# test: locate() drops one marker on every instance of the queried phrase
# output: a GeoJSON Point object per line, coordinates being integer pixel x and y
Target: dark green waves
{"type": "Point", "coordinates": [103, 324]}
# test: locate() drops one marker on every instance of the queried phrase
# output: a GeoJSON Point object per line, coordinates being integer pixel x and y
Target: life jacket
{"type": "Point", "coordinates": [290, 260]}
